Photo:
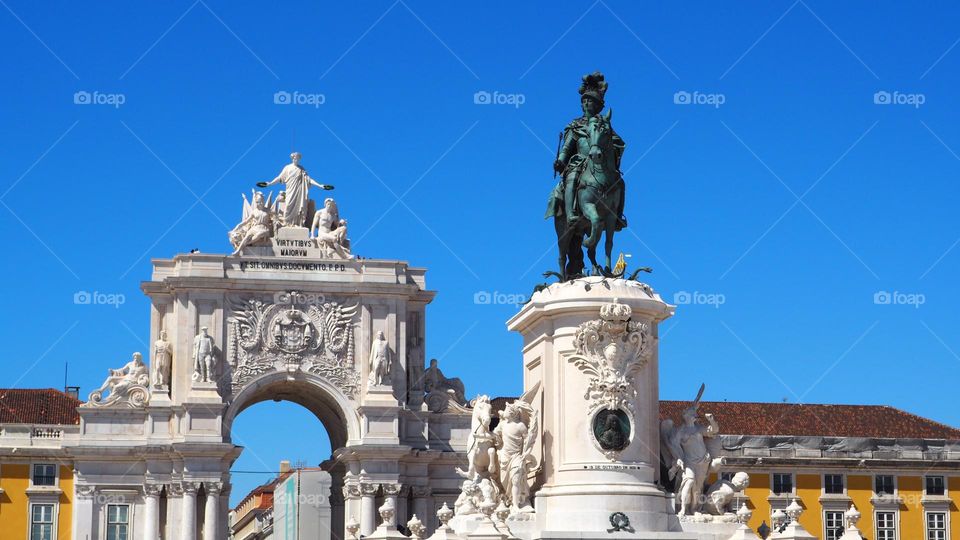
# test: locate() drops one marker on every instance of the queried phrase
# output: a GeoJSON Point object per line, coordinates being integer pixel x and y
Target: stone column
{"type": "Point", "coordinates": [211, 510]}
{"type": "Point", "coordinates": [83, 510]}
{"type": "Point", "coordinates": [368, 507]}
{"type": "Point", "coordinates": [421, 505]}
{"type": "Point", "coordinates": [188, 514]}
{"type": "Point", "coordinates": [173, 524]}
{"type": "Point", "coordinates": [390, 493]}
{"type": "Point", "coordinates": [403, 508]}
{"type": "Point", "coordinates": [223, 520]}
{"type": "Point", "coordinates": [151, 519]}
{"type": "Point", "coordinates": [351, 507]}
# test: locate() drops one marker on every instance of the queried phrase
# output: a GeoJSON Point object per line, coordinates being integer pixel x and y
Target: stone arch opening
{"type": "Point", "coordinates": [340, 419]}
{"type": "Point", "coordinates": [338, 414]}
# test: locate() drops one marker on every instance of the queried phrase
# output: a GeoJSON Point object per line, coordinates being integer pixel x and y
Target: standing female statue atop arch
{"type": "Point", "coordinates": [297, 184]}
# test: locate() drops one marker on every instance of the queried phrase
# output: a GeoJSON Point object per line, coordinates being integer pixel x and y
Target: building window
{"type": "Point", "coordinates": [833, 525]}
{"type": "Point", "coordinates": [44, 474]}
{"type": "Point", "coordinates": [833, 484]}
{"type": "Point", "coordinates": [936, 526]}
{"type": "Point", "coordinates": [41, 522]}
{"type": "Point", "coordinates": [884, 484]}
{"type": "Point", "coordinates": [886, 526]}
{"type": "Point", "coordinates": [935, 485]}
{"type": "Point", "coordinates": [782, 483]}
{"type": "Point", "coordinates": [118, 522]}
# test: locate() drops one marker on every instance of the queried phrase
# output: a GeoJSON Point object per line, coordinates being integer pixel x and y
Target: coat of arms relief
{"type": "Point", "coordinates": [611, 351]}
{"type": "Point", "coordinates": [295, 331]}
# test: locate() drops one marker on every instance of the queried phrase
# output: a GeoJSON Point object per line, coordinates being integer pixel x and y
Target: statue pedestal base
{"type": "Point", "coordinates": [575, 334]}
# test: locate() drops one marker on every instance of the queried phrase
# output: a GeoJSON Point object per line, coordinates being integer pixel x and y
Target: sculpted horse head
{"type": "Point", "coordinates": [599, 132]}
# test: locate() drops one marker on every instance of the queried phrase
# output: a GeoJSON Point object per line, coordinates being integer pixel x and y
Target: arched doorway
{"type": "Point", "coordinates": [310, 498]}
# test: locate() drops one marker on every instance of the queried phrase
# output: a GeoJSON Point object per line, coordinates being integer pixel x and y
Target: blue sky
{"type": "Point", "coordinates": [786, 201]}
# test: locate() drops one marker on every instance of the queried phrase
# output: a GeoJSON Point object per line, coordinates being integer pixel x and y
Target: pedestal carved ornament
{"type": "Point", "coordinates": [610, 351]}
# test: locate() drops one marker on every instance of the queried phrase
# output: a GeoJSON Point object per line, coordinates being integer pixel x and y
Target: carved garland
{"type": "Point", "coordinates": [611, 350]}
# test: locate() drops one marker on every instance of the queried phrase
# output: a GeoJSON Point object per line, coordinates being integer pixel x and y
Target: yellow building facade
{"type": "Point", "coordinates": [33, 503]}
{"type": "Point", "coordinates": [36, 474]}
{"type": "Point", "coordinates": [901, 471]}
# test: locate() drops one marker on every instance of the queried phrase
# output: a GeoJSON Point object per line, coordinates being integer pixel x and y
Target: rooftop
{"type": "Point", "coordinates": [806, 420]}
{"type": "Point", "coordinates": [38, 406]}
{"type": "Point", "coordinates": [793, 419]}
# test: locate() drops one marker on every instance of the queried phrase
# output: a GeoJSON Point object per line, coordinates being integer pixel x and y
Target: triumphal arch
{"type": "Point", "coordinates": [292, 315]}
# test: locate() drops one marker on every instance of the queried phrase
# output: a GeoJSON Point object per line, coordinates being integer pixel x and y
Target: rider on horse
{"type": "Point", "coordinates": [575, 152]}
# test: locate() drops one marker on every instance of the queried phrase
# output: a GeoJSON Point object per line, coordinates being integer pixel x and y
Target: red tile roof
{"type": "Point", "coordinates": [792, 419]}
{"type": "Point", "coordinates": [37, 406]}
{"type": "Point", "coordinates": [786, 419]}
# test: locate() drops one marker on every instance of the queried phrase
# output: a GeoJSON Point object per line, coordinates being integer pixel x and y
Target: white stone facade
{"type": "Point", "coordinates": [281, 328]}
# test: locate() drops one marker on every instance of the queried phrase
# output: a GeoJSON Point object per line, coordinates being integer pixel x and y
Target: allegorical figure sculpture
{"type": "Point", "coordinates": [687, 453]}
{"type": "Point", "coordinates": [297, 184]}
{"type": "Point", "coordinates": [589, 199]}
{"type": "Point", "coordinates": [256, 224]}
{"type": "Point", "coordinates": [204, 357]}
{"type": "Point", "coordinates": [515, 436]}
{"type": "Point", "coordinates": [326, 219]}
{"type": "Point", "coordinates": [721, 493]}
{"type": "Point", "coordinates": [440, 390]}
{"type": "Point", "coordinates": [380, 362]}
{"type": "Point", "coordinates": [128, 383]}
{"type": "Point", "coordinates": [162, 359]}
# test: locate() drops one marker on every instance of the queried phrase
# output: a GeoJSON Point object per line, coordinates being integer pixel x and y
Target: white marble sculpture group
{"type": "Point", "coordinates": [126, 386]}
{"type": "Point", "coordinates": [689, 452]}
{"type": "Point", "coordinates": [263, 217]}
{"type": "Point", "coordinates": [500, 461]}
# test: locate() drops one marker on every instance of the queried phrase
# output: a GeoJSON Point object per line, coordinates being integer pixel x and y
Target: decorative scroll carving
{"type": "Point", "coordinates": [294, 334]}
{"type": "Point", "coordinates": [611, 350]}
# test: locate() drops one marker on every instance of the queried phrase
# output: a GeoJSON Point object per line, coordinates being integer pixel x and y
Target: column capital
{"type": "Point", "coordinates": [369, 488]}
{"type": "Point", "coordinates": [213, 488]}
{"type": "Point", "coordinates": [351, 491]}
{"type": "Point", "coordinates": [190, 488]}
{"type": "Point", "coordinates": [390, 489]}
{"type": "Point", "coordinates": [174, 490]}
{"type": "Point", "coordinates": [152, 490]}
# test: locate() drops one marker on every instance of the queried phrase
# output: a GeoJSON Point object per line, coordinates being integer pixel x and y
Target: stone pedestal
{"type": "Point", "coordinates": [591, 346]}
